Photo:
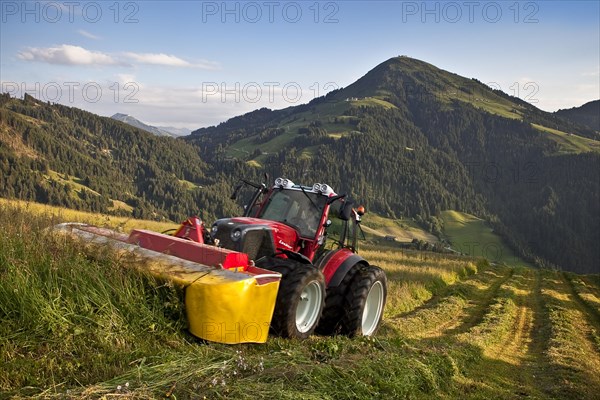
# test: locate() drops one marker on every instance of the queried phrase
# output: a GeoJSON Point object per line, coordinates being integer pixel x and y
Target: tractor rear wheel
{"type": "Point", "coordinates": [364, 302]}
{"type": "Point", "coordinates": [331, 319]}
{"type": "Point", "coordinates": [300, 299]}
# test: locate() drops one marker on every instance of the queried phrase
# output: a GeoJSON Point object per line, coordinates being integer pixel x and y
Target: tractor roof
{"type": "Point", "coordinates": [320, 188]}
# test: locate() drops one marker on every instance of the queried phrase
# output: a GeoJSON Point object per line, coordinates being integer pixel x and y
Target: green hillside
{"type": "Point", "coordinates": [402, 230]}
{"type": "Point", "coordinates": [587, 115]}
{"type": "Point", "coordinates": [68, 157]}
{"type": "Point", "coordinates": [473, 236]}
{"type": "Point", "coordinates": [570, 143]}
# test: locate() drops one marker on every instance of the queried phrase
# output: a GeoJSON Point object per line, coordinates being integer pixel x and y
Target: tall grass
{"type": "Point", "coordinates": [71, 317]}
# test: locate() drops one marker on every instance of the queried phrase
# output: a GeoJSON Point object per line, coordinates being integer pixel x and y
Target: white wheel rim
{"type": "Point", "coordinates": [309, 306]}
{"type": "Point", "coordinates": [373, 308]}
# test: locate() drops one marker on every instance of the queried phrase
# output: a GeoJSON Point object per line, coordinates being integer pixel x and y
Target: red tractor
{"type": "Point", "coordinates": [309, 235]}
{"type": "Point", "coordinates": [288, 265]}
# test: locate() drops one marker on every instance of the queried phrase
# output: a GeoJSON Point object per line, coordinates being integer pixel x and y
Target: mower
{"type": "Point", "coordinates": [288, 265]}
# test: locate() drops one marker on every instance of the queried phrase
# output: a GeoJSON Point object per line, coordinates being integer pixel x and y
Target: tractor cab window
{"type": "Point", "coordinates": [334, 231]}
{"type": "Point", "coordinates": [300, 210]}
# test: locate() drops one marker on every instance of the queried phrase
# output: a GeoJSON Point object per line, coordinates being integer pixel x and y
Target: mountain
{"type": "Point", "coordinates": [410, 139]}
{"type": "Point", "coordinates": [587, 115]}
{"type": "Point", "coordinates": [407, 140]}
{"type": "Point", "coordinates": [175, 131]}
{"type": "Point", "coordinates": [64, 156]}
{"type": "Point", "coordinates": [128, 119]}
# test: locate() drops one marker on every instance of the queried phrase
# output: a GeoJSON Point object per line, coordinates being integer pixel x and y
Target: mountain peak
{"type": "Point", "coordinates": [128, 119]}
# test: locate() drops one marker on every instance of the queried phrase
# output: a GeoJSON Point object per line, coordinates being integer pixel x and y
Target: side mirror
{"type": "Point", "coordinates": [346, 211]}
{"type": "Point", "coordinates": [235, 192]}
{"type": "Point", "coordinates": [334, 198]}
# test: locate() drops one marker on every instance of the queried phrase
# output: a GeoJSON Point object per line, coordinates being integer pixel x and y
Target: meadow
{"type": "Point", "coordinates": [77, 323]}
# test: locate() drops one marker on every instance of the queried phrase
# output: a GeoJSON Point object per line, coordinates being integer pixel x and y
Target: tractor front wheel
{"type": "Point", "coordinates": [300, 299]}
{"type": "Point", "coordinates": [364, 302]}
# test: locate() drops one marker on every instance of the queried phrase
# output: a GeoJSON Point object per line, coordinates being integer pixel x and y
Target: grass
{"type": "Point", "coordinates": [473, 236]}
{"type": "Point", "coordinates": [570, 143]}
{"type": "Point", "coordinates": [415, 277]}
{"type": "Point", "coordinates": [121, 205]}
{"type": "Point", "coordinates": [404, 230]}
{"type": "Point", "coordinates": [187, 184]}
{"type": "Point", "coordinates": [15, 143]}
{"type": "Point", "coordinates": [572, 349]}
{"type": "Point", "coordinates": [77, 323]}
{"type": "Point", "coordinates": [73, 182]}
{"type": "Point", "coordinates": [372, 102]}
{"type": "Point", "coordinates": [124, 224]}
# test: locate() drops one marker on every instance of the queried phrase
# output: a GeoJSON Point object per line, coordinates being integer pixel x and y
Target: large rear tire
{"type": "Point", "coordinates": [331, 320]}
{"type": "Point", "coordinates": [364, 302]}
{"type": "Point", "coordinates": [300, 299]}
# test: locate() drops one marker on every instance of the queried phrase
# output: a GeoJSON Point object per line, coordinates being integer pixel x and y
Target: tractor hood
{"type": "Point", "coordinates": [285, 236]}
{"type": "Point", "coordinates": [254, 236]}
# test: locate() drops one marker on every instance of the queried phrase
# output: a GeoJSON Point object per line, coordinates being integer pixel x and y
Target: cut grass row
{"type": "Point", "coordinates": [415, 277]}
{"type": "Point", "coordinates": [572, 351]}
{"type": "Point", "coordinates": [511, 363]}
{"type": "Point", "coordinates": [456, 310]}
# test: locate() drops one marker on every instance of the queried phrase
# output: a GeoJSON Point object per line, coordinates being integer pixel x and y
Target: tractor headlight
{"type": "Point", "coordinates": [284, 183]}
{"type": "Point", "coordinates": [324, 188]}
{"type": "Point", "coordinates": [213, 230]}
{"type": "Point", "coordinates": [317, 187]}
{"type": "Point", "coordinates": [236, 235]}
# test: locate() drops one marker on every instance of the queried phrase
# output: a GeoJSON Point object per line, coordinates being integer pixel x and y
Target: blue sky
{"type": "Point", "coordinates": [197, 63]}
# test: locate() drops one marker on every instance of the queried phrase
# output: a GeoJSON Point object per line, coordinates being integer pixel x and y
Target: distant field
{"type": "Point", "coordinates": [473, 236]}
{"type": "Point", "coordinates": [570, 143]}
{"type": "Point", "coordinates": [372, 102]}
{"type": "Point", "coordinates": [404, 230]}
{"type": "Point", "coordinates": [72, 182]}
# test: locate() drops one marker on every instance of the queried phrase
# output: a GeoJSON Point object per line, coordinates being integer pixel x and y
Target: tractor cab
{"type": "Point", "coordinates": [304, 208]}
{"type": "Point", "coordinates": [294, 215]}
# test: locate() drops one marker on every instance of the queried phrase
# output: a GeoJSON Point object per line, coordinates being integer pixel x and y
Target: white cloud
{"type": "Point", "coordinates": [168, 60]}
{"type": "Point", "coordinates": [88, 35]}
{"type": "Point", "coordinates": [158, 59]}
{"type": "Point", "coordinates": [589, 74]}
{"type": "Point", "coordinates": [67, 55]}
{"type": "Point", "coordinates": [125, 78]}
